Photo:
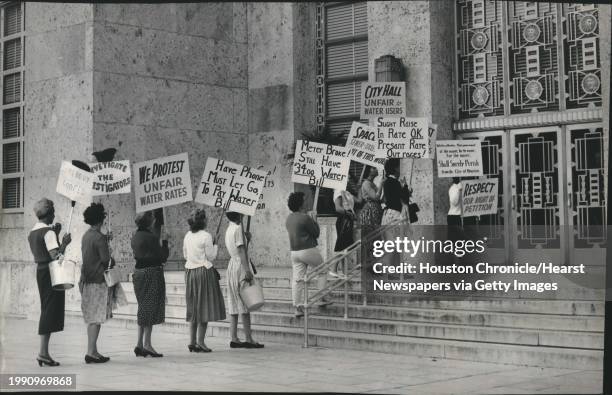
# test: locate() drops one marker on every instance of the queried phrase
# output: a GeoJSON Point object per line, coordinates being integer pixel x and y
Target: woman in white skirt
{"type": "Point", "coordinates": [96, 296]}
{"type": "Point", "coordinates": [203, 292]}
{"type": "Point", "coordinates": [238, 271]}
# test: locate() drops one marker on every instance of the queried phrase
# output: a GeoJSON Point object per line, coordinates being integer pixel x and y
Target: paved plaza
{"type": "Point", "coordinates": [276, 368]}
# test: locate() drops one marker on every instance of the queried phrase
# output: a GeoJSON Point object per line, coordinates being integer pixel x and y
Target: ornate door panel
{"type": "Point", "coordinates": [493, 226]}
{"type": "Point", "coordinates": [586, 198]}
{"type": "Point", "coordinates": [536, 214]}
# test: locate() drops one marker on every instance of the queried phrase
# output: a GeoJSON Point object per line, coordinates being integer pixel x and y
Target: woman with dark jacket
{"type": "Point", "coordinates": [45, 248]}
{"type": "Point", "coordinates": [96, 296]}
{"type": "Point", "coordinates": [396, 194]}
{"type": "Point", "coordinates": [149, 282]}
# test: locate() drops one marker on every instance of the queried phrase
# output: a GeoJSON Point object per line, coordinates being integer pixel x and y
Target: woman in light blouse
{"type": "Point", "coordinates": [203, 292]}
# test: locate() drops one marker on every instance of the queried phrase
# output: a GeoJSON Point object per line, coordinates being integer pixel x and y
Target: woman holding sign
{"type": "Point", "coordinates": [45, 248]}
{"type": "Point", "coordinates": [149, 282]}
{"type": "Point", "coordinates": [238, 271]}
{"type": "Point", "coordinates": [397, 194]}
{"type": "Point", "coordinates": [371, 214]}
{"type": "Point", "coordinates": [203, 292]}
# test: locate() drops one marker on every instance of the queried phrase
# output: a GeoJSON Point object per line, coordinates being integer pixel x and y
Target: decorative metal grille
{"type": "Point", "coordinates": [537, 189]}
{"type": "Point", "coordinates": [546, 54]}
{"type": "Point", "coordinates": [588, 198]}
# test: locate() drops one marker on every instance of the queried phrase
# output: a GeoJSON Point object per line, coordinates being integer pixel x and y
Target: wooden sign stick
{"type": "Point", "coordinates": [316, 199]}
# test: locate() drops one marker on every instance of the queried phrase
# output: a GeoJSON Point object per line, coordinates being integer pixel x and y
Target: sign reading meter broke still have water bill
{"type": "Point", "coordinates": [320, 165]}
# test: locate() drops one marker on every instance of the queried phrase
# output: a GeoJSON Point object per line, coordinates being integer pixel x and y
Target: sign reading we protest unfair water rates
{"type": "Point", "coordinates": [459, 158]}
{"type": "Point", "coordinates": [361, 145]}
{"type": "Point", "coordinates": [320, 165]}
{"type": "Point", "coordinates": [383, 99]}
{"type": "Point", "coordinates": [162, 182]}
{"type": "Point", "coordinates": [479, 197]}
{"type": "Point", "coordinates": [236, 187]}
{"type": "Point", "coordinates": [402, 138]}
{"type": "Point", "coordinates": [111, 178]}
{"type": "Point", "coordinates": [74, 183]}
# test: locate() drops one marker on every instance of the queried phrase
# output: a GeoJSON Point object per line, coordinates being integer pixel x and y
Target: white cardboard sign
{"type": "Point", "coordinates": [361, 145]}
{"type": "Point", "coordinates": [162, 182]}
{"type": "Point", "coordinates": [322, 165]}
{"type": "Point", "coordinates": [75, 183]}
{"type": "Point", "coordinates": [459, 158]}
{"type": "Point", "coordinates": [479, 197]}
{"type": "Point", "coordinates": [230, 185]}
{"type": "Point", "coordinates": [111, 178]}
{"type": "Point", "coordinates": [433, 136]}
{"type": "Point", "coordinates": [383, 99]}
{"type": "Point", "coordinates": [402, 138]}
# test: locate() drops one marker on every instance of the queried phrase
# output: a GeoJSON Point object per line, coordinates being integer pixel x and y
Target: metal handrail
{"type": "Point", "coordinates": [348, 276]}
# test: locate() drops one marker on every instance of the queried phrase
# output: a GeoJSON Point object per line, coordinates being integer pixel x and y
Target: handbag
{"type": "Point", "coordinates": [112, 276]}
{"type": "Point", "coordinates": [413, 209]}
{"type": "Point", "coordinates": [251, 294]}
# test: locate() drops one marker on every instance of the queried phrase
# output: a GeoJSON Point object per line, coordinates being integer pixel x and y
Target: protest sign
{"type": "Point", "coordinates": [459, 158]}
{"type": "Point", "coordinates": [383, 99]}
{"type": "Point", "coordinates": [162, 182]}
{"type": "Point", "coordinates": [320, 165]}
{"type": "Point", "coordinates": [361, 145]}
{"type": "Point", "coordinates": [433, 135]}
{"type": "Point", "coordinates": [111, 178]}
{"type": "Point", "coordinates": [402, 138]}
{"type": "Point", "coordinates": [75, 183]}
{"type": "Point", "coordinates": [268, 185]}
{"type": "Point", "coordinates": [231, 186]}
{"type": "Point", "coordinates": [479, 197]}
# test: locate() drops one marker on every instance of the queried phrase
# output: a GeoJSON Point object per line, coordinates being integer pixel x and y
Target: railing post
{"type": "Point", "coordinates": [305, 312]}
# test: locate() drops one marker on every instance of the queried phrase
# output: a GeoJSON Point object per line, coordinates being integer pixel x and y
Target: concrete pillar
{"type": "Point", "coordinates": [420, 33]}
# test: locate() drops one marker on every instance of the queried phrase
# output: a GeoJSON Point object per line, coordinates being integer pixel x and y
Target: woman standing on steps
{"type": "Point", "coordinates": [203, 292]}
{"type": "Point", "coordinates": [238, 271]}
{"type": "Point", "coordinates": [149, 282]}
{"type": "Point", "coordinates": [45, 248]}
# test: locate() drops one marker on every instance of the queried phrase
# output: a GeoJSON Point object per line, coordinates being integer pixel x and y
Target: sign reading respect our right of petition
{"type": "Point", "coordinates": [320, 165]}
{"type": "Point", "coordinates": [162, 182]}
{"type": "Point", "coordinates": [479, 197]}
{"type": "Point", "coordinates": [383, 99]}
{"type": "Point", "coordinates": [459, 158]}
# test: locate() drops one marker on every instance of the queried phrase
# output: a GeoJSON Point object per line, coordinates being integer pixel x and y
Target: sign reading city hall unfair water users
{"type": "Point", "coordinates": [111, 178]}
{"type": "Point", "coordinates": [74, 183]}
{"type": "Point", "coordinates": [320, 165]}
{"type": "Point", "coordinates": [459, 158]}
{"type": "Point", "coordinates": [383, 99]}
{"type": "Point", "coordinates": [361, 145]}
{"type": "Point", "coordinates": [162, 182]}
{"type": "Point", "coordinates": [230, 185]}
{"type": "Point", "coordinates": [402, 138]}
{"type": "Point", "coordinates": [479, 197]}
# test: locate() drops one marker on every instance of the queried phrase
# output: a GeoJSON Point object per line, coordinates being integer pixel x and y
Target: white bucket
{"type": "Point", "coordinates": [62, 274]}
{"type": "Point", "coordinates": [252, 295]}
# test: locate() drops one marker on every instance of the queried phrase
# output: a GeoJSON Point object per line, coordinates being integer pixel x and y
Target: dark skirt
{"type": "Point", "coordinates": [203, 295]}
{"type": "Point", "coordinates": [150, 289]}
{"type": "Point", "coordinates": [52, 303]}
{"type": "Point", "coordinates": [344, 232]}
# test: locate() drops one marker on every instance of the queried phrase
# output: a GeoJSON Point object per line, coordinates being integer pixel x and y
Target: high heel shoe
{"type": "Point", "coordinates": [46, 361]}
{"type": "Point", "coordinates": [154, 354]}
{"type": "Point", "coordinates": [193, 348]}
{"type": "Point", "coordinates": [101, 359]}
{"type": "Point", "coordinates": [138, 352]}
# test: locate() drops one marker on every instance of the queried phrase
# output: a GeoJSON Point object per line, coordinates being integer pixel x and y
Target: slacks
{"type": "Point", "coordinates": [300, 261]}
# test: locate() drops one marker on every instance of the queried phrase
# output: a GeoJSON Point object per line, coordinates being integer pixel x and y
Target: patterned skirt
{"type": "Point", "coordinates": [371, 214]}
{"type": "Point", "coordinates": [52, 303]}
{"type": "Point", "coordinates": [235, 275]}
{"type": "Point", "coordinates": [203, 296]}
{"type": "Point", "coordinates": [150, 289]}
{"type": "Point", "coordinates": [96, 302]}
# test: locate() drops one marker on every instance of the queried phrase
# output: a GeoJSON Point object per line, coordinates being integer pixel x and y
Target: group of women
{"type": "Point", "coordinates": [204, 299]}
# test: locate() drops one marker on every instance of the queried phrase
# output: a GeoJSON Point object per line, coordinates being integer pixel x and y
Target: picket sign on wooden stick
{"type": "Point", "coordinates": [362, 173]}
{"type": "Point", "coordinates": [248, 231]}
{"type": "Point", "coordinates": [411, 170]}
{"type": "Point", "coordinates": [316, 199]}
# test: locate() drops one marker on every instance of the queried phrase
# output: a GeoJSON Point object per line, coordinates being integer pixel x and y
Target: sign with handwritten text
{"type": "Point", "coordinates": [383, 99]}
{"type": "Point", "coordinates": [361, 145]}
{"type": "Point", "coordinates": [75, 183]}
{"type": "Point", "coordinates": [321, 165]}
{"type": "Point", "coordinates": [402, 138]}
{"type": "Point", "coordinates": [459, 158]}
{"type": "Point", "coordinates": [112, 177]}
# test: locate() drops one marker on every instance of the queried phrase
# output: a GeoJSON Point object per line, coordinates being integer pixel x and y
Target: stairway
{"type": "Point", "coordinates": [558, 333]}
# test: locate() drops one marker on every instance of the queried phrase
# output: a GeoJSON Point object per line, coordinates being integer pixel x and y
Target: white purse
{"type": "Point", "coordinates": [112, 276]}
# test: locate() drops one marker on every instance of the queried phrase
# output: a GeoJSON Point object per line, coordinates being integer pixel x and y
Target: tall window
{"type": "Point", "coordinates": [342, 65]}
{"type": "Point", "coordinates": [11, 114]}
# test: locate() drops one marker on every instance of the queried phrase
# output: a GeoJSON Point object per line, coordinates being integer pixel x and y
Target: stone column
{"type": "Point", "coordinates": [420, 33]}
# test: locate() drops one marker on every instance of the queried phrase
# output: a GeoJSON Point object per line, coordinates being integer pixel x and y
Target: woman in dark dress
{"type": "Point", "coordinates": [149, 282]}
{"type": "Point", "coordinates": [45, 248]}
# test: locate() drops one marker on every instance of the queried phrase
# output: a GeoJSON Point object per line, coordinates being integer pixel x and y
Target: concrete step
{"type": "Point", "coordinates": [424, 347]}
{"type": "Point", "coordinates": [436, 316]}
